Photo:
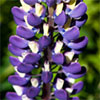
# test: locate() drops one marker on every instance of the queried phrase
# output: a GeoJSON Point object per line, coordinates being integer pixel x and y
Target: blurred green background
{"type": "Point", "coordinates": [89, 58]}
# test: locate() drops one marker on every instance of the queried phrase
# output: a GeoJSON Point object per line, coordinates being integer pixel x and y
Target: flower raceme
{"type": "Point", "coordinates": [46, 45]}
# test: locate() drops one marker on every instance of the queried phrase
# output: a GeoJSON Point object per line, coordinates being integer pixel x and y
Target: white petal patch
{"type": "Point", "coordinates": [71, 80]}
{"type": "Point", "coordinates": [59, 9]}
{"type": "Point", "coordinates": [38, 9]}
{"type": "Point", "coordinates": [19, 73]}
{"type": "Point", "coordinates": [76, 60]}
{"type": "Point", "coordinates": [25, 6]}
{"type": "Point", "coordinates": [71, 4]}
{"type": "Point", "coordinates": [24, 54]}
{"type": "Point", "coordinates": [40, 0]}
{"type": "Point", "coordinates": [69, 56]}
{"type": "Point", "coordinates": [46, 66]}
{"type": "Point", "coordinates": [21, 58]}
{"type": "Point", "coordinates": [24, 97]}
{"type": "Point", "coordinates": [66, 1]}
{"type": "Point", "coordinates": [70, 90]}
{"type": "Point", "coordinates": [18, 89]}
{"type": "Point", "coordinates": [34, 46]}
{"type": "Point", "coordinates": [34, 82]}
{"type": "Point", "coordinates": [46, 29]}
{"type": "Point", "coordinates": [58, 47]}
{"type": "Point", "coordinates": [59, 84]}
{"type": "Point", "coordinates": [29, 26]}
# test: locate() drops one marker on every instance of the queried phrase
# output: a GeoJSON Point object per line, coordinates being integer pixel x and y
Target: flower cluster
{"type": "Point", "coordinates": [46, 49]}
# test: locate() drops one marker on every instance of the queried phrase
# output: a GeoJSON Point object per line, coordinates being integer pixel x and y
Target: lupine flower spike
{"type": "Point", "coordinates": [46, 45]}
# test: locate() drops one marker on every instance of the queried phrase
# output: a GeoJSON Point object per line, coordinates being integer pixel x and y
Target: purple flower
{"type": "Point", "coordinates": [60, 93]}
{"type": "Point", "coordinates": [18, 42]}
{"type": "Point", "coordinates": [61, 19]}
{"type": "Point", "coordinates": [14, 96]}
{"type": "Point", "coordinates": [58, 57]}
{"type": "Point", "coordinates": [34, 90]}
{"type": "Point", "coordinates": [31, 2]}
{"type": "Point", "coordinates": [31, 58]}
{"type": "Point", "coordinates": [25, 68]}
{"type": "Point", "coordinates": [25, 32]}
{"type": "Point", "coordinates": [78, 11]}
{"type": "Point", "coordinates": [35, 19]}
{"type": "Point", "coordinates": [45, 40]}
{"type": "Point", "coordinates": [77, 75]}
{"type": "Point", "coordinates": [72, 68]}
{"type": "Point", "coordinates": [46, 45]}
{"type": "Point", "coordinates": [71, 34]}
{"type": "Point", "coordinates": [15, 50]}
{"type": "Point", "coordinates": [14, 61]}
{"type": "Point", "coordinates": [17, 80]}
{"type": "Point", "coordinates": [50, 2]}
{"type": "Point", "coordinates": [18, 11]}
{"type": "Point", "coordinates": [46, 74]}
{"type": "Point", "coordinates": [77, 87]}
{"type": "Point", "coordinates": [78, 43]}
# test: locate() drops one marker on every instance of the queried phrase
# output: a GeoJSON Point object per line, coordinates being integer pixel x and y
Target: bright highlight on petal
{"type": "Point", "coordinates": [58, 47]}
{"type": "Point", "coordinates": [34, 46]}
{"type": "Point", "coordinates": [69, 90]}
{"type": "Point", "coordinates": [19, 90]}
{"type": "Point", "coordinates": [69, 56]}
{"type": "Point", "coordinates": [24, 97]}
{"type": "Point", "coordinates": [29, 26]}
{"type": "Point", "coordinates": [38, 9]}
{"type": "Point", "coordinates": [71, 4]}
{"type": "Point", "coordinates": [20, 59]}
{"type": "Point", "coordinates": [71, 80]}
{"type": "Point", "coordinates": [46, 67]}
{"type": "Point", "coordinates": [59, 83]}
{"type": "Point", "coordinates": [66, 1]}
{"type": "Point", "coordinates": [23, 55]}
{"type": "Point", "coordinates": [59, 9]}
{"type": "Point", "coordinates": [25, 6]}
{"type": "Point", "coordinates": [46, 29]}
{"type": "Point", "coordinates": [19, 73]}
{"type": "Point", "coordinates": [34, 82]}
